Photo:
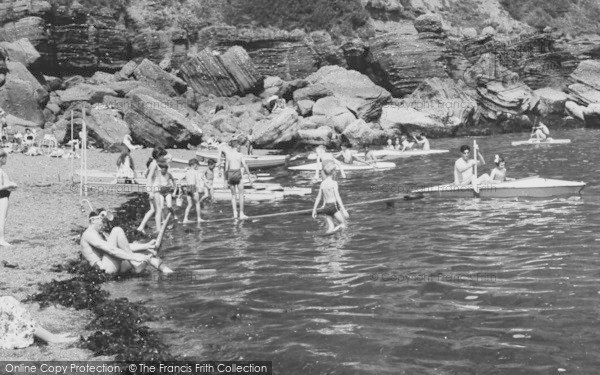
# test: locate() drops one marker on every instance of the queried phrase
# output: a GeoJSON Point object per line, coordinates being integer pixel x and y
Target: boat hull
{"type": "Point", "coordinates": [253, 161]}
{"type": "Point", "coordinates": [546, 142]}
{"type": "Point", "coordinates": [347, 167]}
{"type": "Point", "coordinates": [527, 187]}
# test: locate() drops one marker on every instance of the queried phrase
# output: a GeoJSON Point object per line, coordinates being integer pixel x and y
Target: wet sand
{"type": "Point", "coordinates": [44, 222]}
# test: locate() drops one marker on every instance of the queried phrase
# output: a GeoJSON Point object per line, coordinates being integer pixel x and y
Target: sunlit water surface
{"type": "Point", "coordinates": [430, 286]}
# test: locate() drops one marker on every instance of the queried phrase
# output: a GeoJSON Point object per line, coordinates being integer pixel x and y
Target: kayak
{"type": "Point", "coordinates": [391, 154]}
{"type": "Point", "coordinates": [535, 187]}
{"type": "Point", "coordinates": [347, 167]}
{"type": "Point", "coordinates": [533, 141]}
{"type": "Point", "coordinates": [253, 161]}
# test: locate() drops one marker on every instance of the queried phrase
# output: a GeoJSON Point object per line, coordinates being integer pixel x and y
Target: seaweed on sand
{"type": "Point", "coordinates": [118, 323]}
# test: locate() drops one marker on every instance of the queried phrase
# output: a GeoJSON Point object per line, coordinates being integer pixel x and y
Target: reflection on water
{"type": "Point", "coordinates": [432, 286]}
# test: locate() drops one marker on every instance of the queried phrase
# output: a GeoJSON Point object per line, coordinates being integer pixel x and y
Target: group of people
{"type": "Point", "coordinates": [403, 144]}
{"type": "Point", "coordinates": [464, 168]}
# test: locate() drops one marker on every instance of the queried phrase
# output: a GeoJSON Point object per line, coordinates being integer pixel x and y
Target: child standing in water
{"type": "Point", "coordinates": [332, 207]}
{"type": "Point", "coordinates": [193, 185]}
{"type": "Point", "coordinates": [6, 186]}
{"type": "Point", "coordinates": [209, 177]}
{"type": "Point", "coordinates": [167, 187]}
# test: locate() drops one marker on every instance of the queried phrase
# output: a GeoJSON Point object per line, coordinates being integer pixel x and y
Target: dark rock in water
{"type": "Point", "coordinates": [401, 62]}
{"type": "Point", "coordinates": [591, 115]}
{"type": "Point", "coordinates": [289, 55]}
{"type": "Point", "coordinates": [153, 76]}
{"type": "Point", "coordinates": [229, 74]}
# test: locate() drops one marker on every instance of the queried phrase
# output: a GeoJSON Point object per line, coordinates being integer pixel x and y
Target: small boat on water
{"type": "Point", "coordinates": [535, 141]}
{"type": "Point", "coordinates": [534, 187]}
{"type": "Point", "coordinates": [380, 165]}
{"type": "Point", "coordinates": [391, 154]}
{"type": "Point", "coordinates": [253, 161]}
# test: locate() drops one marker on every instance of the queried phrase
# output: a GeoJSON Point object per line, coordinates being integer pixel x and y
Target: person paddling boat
{"type": "Point", "coordinates": [464, 167]}
{"type": "Point", "coordinates": [540, 132]}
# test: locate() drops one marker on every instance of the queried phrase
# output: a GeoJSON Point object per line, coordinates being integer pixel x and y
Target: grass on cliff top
{"type": "Point", "coordinates": [572, 16]}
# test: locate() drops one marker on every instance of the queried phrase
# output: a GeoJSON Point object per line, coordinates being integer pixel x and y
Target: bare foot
{"type": "Point", "coordinates": [4, 243]}
{"type": "Point", "coordinates": [141, 230]}
{"type": "Point", "coordinates": [186, 221]}
{"type": "Point", "coordinates": [243, 217]}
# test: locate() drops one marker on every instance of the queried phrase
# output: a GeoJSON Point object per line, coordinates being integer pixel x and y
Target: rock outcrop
{"type": "Point", "coordinates": [550, 101]}
{"type": "Point", "coordinates": [21, 50]}
{"type": "Point", "coordinates": [286, 54]}
{"type": "Point", "coordinates": [278, 128]}
{"type": "Point", "coordinates": [153, 76]}
{"type": "Point", "coordinates": [401, 62]}
{"type": "Point", "coordinates": [587, 88]}
{"type": "Point", "coordinates": [396, 120]}
{"type": "Point", "coordinates": [85, 92]}
{"type": "Point", "coordinates": [222, 75]}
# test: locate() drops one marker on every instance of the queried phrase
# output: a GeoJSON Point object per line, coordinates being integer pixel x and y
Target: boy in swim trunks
{"type": "Point", "coordinates": [166, 186]}
{"type": "Point", "coordinates": [332, 207]}
{"type": "Point", "coordinates": [233, 167]}
{"type": "Point", "coordinates": [193, 185]}
{"type": "Point", "coordinates": [112, 252]}
{"type": "Point", "coordinates": [209, 177]}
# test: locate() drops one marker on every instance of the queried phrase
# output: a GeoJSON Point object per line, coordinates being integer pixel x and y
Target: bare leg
{"type": "Point", "coordinates": [52, 338]}
{"type": "Point", "coordinates": [340, 218]}
{"type": "Point", "coordinates": [158, 203]}
{"type": "Point", "coordinates": [3, 214]}
{"type": "Point", "coordinates": [198, 206]}
{"type": "Point", "coordinates": [147, 216]}
{"type": "Point", "coordinates": [169, 202]}
{"type": "Point", "coordinates": [117, 238]}
{"type": "Point", "coordinates": [241, 190]}
{"type": "Point", "coordinates": [233, 203]}
{"type": "Point", "coordinates": [187, 209]}
{"type": "Point", "coordinates": [330, 224]}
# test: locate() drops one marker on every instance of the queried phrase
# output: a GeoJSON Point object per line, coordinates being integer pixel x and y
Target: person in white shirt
{"type": "Point", "coordinates": [463, 167]}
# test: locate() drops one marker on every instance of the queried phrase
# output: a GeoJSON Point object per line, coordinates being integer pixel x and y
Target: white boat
{"type": "Point", "coordinates": [385, 154]}
{"type": "Point", "coordinates": [535, 187]}
{"type": "Point", "coordinates": [253, 161]}
{"type": "Point", "coordinates": [535, 141]}
{"type": "Point", "coordinates": [347, 167]}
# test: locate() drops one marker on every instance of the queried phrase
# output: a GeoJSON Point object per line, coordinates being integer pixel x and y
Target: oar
{"type": "Point", "coordinates": [474, 178]}
{"type": "Point", "coordinates": [161, 233]}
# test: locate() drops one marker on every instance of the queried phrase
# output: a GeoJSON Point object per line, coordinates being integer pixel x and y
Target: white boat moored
{"type": "Point", "coordinates": [535, 141]}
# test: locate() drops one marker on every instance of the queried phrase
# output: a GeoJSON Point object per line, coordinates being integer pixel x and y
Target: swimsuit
{"type": "Point", "coordinates": [165, 190]}
{"type": "Point", "coordinates": [330, 209]}
{"type": "Point", "coordinates": [4, 194]}
{"type": "Point", "coordinates": [234, 177]}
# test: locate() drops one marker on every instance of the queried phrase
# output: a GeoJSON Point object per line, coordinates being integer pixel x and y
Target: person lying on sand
{"type": "Point", "coordinates": [112, 252]}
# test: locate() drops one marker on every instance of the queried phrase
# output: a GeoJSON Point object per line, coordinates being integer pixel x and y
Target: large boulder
{"type": "Point", "coordinates": [353, 90]}
{"type": "Point", "coordinates": [19, 98]}
{"type": "Point", "coordinates": [551, 101]}
{"type": "Point", "coordinates": [430, 22]}
{"type": "Point", "coordinates": [277, 128]}
{"type": "Point", "coordinates": [396, 120]}
{"type": "Point", "coordinates": [359, 133]}
{"type": "Point", "coordinates": [591, 115]}
{"type": "Point", "coordinates": [583, 94]}
{"type": "Point", "coordinates": [322, 135]}
{"type": "Point", "coordinates": [153, 76]}
{"type": "Point", "coordinates": [147, 114]}
{"type": "Point", "coordinates": [20, 50]}
{"type": "Point", "coordinates": [32, 28]}
{"type": "Point", "coordinates": [401, 62]}
{"type": "Point", "coordinates": [575, 110]}
{"type": "Point", "coordinates": [588, 73]}
{"type": "Point", "coordinates": [442, 99]}
{"type": "Point", "coordinates": [19, 71]}
{"type": "Point", "coordinates": [222, 75]}
{"type": "Point", "coordinates": [495, 98]}
{"type": "Point", "coordinates": [107, 128]}
{"type": "Point", "coordinates": [86, 93]}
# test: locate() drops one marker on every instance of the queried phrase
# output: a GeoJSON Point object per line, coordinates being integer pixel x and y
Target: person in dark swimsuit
{"type": "Point", "coordinates": [6, 186]}
{"type": "Point", "coordinates": [233, 167]}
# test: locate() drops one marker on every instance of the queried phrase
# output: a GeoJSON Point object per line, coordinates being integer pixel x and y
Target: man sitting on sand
{"type": "Point", "coordinates": [112, 252]}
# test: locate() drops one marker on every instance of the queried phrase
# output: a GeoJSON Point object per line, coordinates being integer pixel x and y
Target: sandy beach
{"type": "Point", "coordinates": [44, 223]}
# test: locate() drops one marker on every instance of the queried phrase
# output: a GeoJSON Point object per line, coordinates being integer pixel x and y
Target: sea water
{"type": "Point", "coordinates": [429, 286]}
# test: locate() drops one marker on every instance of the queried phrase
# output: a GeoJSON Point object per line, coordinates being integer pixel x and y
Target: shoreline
{"type": "Point", "coordinates": [43, 224]}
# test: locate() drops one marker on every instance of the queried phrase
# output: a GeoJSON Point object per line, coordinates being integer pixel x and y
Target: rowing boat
{"type": "Point", "coordinates": [347, 167]}
{"type": "Point", "coordinates": [535, 141]}
{"type": "Point", "coordinates": [534, 187]}
{"type": "Point", "coordinates": [253, 161]}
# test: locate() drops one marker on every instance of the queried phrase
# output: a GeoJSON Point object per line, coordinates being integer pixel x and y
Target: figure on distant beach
{"type": "Point", "coordinates": [333, 207]}
{"type": "Point", "coordinates": [125, 167]}
{"type": "Point", "coordinates": [6, 186]}
{"type": "Point", "coordinates": [112, 252]}
{"type": "Point", "coordinates": [17, 328]}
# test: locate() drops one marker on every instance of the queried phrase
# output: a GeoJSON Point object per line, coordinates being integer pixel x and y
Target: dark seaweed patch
{"type": "Point", "coordinates": [118, 323]}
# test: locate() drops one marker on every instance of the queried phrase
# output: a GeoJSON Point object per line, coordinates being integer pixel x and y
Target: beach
{"type": "Point", "coordinates": [44, 223]}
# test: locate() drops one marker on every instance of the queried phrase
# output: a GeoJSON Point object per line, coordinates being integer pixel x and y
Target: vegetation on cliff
{"type": "Point", "coordinates": [571, 16]}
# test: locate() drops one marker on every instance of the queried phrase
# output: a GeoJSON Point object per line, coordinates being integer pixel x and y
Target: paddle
{"type": "Point", "coordinates": [474, 178]}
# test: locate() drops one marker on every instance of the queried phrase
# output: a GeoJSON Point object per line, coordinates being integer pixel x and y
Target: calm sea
{"type": "Point", "coordinates": [430, 286]}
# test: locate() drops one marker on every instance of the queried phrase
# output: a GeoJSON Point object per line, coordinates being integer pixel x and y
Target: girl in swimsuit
{"type": "Point", "coordinates": [151, 176]}
{"type": "Point", "coordinates": [499, 173]}
{"type": "Point", "coordinates": [6, 186]}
